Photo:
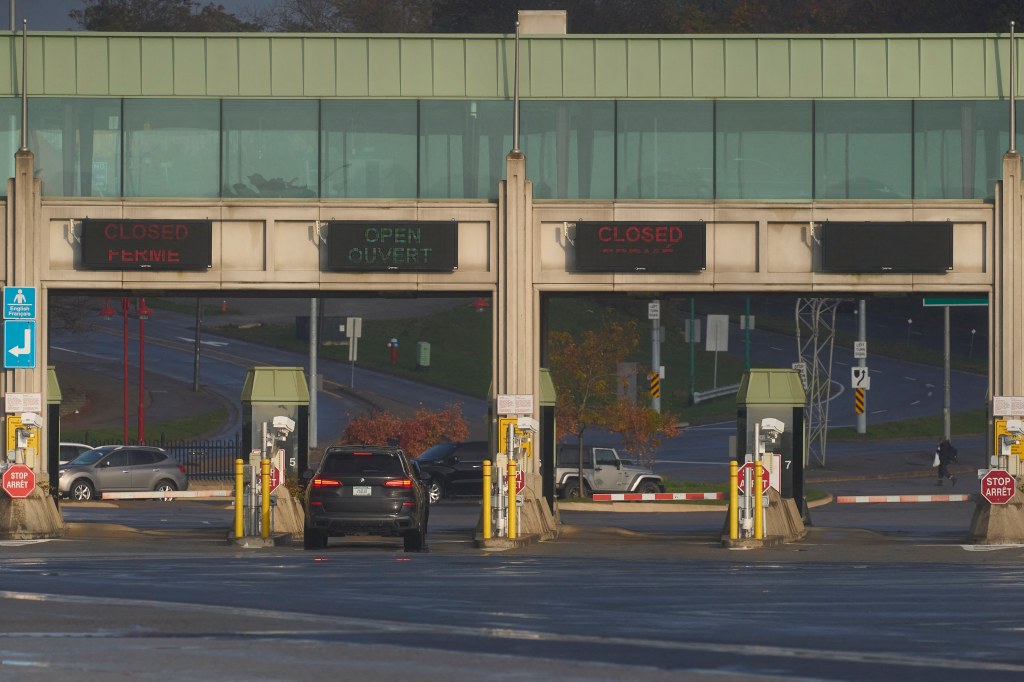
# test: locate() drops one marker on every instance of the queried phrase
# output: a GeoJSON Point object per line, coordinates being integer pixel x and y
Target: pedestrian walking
{"type": "Point", "coordinates": [945, 454]}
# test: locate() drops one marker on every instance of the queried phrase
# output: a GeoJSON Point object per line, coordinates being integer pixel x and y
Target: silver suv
{"type": "Point", "coordinates": [113, 468]}
{"type": "Point", "coordinates": [603, 472]}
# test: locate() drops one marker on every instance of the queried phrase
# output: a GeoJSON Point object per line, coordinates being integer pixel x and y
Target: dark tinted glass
{"type": "Point", "coordinates": [472, 452]}
{"type": "Point", "coordinates": [143, 457]}
{"type": "Point", "coordinates": [375, 463]}
{"type": "Point", "coordinates": [116, 459]}
{"type": "Point", "coordinates": [438, 452]}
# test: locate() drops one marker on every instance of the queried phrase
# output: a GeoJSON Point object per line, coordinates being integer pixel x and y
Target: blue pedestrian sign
{"type": "Point", "coordinates": [19, 344]}
{"type": "Point", "coordinates": [19, 303]}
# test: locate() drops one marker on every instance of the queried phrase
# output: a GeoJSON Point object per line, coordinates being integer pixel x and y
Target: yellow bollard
{"type": "Point", "coordinates": [512, 511]}
{"type": "Point", "coordinates": [239, 499]}
{"type": "Point", "coordinates": [487, 500]}
{"type": "Point", "coordinates": [758, 501]}
{"type": "Point", "coordinates": [734, 515]}
{"type": "Point", "coordinates": [265, 498]}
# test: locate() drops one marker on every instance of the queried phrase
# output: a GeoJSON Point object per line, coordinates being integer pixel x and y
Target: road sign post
{"type": "Point", "coordinates": [18, 481]}
{"type": "Point", "coordinates": [998, 486]}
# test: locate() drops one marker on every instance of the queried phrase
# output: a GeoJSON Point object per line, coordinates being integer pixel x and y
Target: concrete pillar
{"type": "Point", "coordinates": [25, 245]}
{"type": "Point", "coordinates": [1000, 524]}
{"type": "Point", "coordinates": [517, 329]}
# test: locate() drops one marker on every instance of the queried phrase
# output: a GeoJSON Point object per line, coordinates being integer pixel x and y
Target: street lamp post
{"type": "Point", "coordinates": [143, 314]}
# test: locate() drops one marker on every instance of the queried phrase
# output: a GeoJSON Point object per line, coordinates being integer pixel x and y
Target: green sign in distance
{"type": "Point", "coordinates": [955, 301]}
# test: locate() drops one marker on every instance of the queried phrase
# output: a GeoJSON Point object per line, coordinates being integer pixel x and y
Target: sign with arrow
{"type": "Point", "coordinates": [859, 378]}
{"type": "Point", "coordinates": [19, 344]}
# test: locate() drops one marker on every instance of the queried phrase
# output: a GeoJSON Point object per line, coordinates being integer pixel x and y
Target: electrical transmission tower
{"type": "Point", "coordinates": [815, 336]}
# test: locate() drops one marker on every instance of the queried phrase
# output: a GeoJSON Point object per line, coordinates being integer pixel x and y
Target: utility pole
{"type": "Point", "coordinates": [654, 313]}
{"type": "Point", "coordinates": [862, 327]}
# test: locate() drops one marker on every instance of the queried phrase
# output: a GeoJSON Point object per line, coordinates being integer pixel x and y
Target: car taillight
{"type": "Point", "coordinates": [326, 483]}
{"type": "Point", "coordinates": [181, 468]}
{"type": "Point", "coordinates": [398, 483]}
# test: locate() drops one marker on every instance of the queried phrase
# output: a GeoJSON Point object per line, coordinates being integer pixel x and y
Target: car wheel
{"type": "Point", "coordinates": [313, 538]}
{"type": "Point", "coordinates": [82, 491]}
{"type": "Point", "coordinates": [572, 489]}
{"type": "Point", "coordinates": [435, 491]}
{"type": "Point", "coordinates": [649, 487]}
{"type": "Point", "coordinates": [415, 541]}
{"type": "Point", "coordinates": [165, 486]}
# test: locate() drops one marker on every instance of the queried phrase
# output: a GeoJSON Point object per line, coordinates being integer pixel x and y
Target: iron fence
{"type": "Point", "coordinates": [204, 460]}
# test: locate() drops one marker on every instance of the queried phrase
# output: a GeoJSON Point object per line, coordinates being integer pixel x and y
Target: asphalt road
{"type": "Point", "coordinates": [147, 591]}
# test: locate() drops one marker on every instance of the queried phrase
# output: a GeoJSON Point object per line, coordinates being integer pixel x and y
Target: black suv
{"type": "Point", "coordinates": [454, 469]}
{"type": "Point", "coordinates": [366, 490]}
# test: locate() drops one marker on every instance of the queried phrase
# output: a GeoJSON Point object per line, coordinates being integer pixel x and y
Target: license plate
{"type": "Point", "coordinates": [361, 490]}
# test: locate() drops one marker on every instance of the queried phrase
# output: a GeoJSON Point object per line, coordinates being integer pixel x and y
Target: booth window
{"type": "Point", "coordinates": [171, 148]}
{"type": "Point", "coordinates": [665, 150]}
{"type": "Point", "coordinates": [270, 148]}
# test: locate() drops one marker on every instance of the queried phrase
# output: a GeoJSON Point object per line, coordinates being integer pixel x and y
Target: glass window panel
{"type": "Point", "coordinates": [863, 150]}
{"type": "Point", "coordinates": [171, 148]}
{"type": "Point", "coordinates": [270, 148]}
{"type": "Point", "coordinates": [763, 150]}
{"type": "Point", "coordinates": [463, 145]}
{"type": "Point", "coordinates": [665, 150]}
{"type": "Point", "coordinates": [369, 149]}
{"type": "Point", "coordinates": [77, 146]}
{"type": "Point", "coordinates": [958, 148]}
{"type": "Point", "coordinates": [10, 137]}
{"type": "Point", "coordinates": [570, 148]}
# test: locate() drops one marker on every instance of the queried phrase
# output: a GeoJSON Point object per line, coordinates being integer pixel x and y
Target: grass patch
{"type": "Point", "coordinates": [188, 428]}
{"type": "Point", "coordinates": [961, 423]}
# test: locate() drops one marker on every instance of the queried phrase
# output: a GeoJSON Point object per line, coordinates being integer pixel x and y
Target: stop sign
{"type": "Point", "coordinates": [18, 481]}
{"type": "Point", "coordinates": [741, 475]}
{"type": "Point", "coordinates": [998, 486]}
{"type": "Point", "coordinates": [275, 478]}
{"type": "Point", "coordinates": [520, 481]}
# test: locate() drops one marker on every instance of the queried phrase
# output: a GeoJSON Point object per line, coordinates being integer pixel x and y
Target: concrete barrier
{"type": "Point", "coordinates": [170, 494]}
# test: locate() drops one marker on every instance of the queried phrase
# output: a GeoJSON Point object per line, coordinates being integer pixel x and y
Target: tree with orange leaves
{"type": "Point", "coordinates": [642, 429]}
{"type": "Point", "coordinates": [414, 434]}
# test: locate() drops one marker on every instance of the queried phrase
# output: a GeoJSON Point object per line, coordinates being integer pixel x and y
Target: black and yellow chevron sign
{"type": "Point", "coordinates": [655, 384]}
{"type": "Point", "coordinates": [858, 400]}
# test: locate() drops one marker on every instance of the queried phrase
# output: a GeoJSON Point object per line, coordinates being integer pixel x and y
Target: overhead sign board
{"type": "Point", "coordinates": [19, 303]}
{"type": "Point", "coordinates": [382, 246]}
{"type": "Point", "coordinates": [147, 245]}
{"type": "Point", "coordinates": [852, 247]}
{"type": "Point", "coordinates": [19, 344]}
{"type": "Point", "coordinates": [640, 247]}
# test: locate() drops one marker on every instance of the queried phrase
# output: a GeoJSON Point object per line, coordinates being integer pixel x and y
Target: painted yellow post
{"type": "Point", "coordinates": [487, 500]}
{"type": "Point", "coordinates": [758, 501]}
{"type": "Point", "coordinates": [265, 498]}
{"type": "Point", "coordinates": [239, 486]}
{"type": "Point", "coordinates": [734, 515]}
{"type": "Point", "coordinates": [512, 511]}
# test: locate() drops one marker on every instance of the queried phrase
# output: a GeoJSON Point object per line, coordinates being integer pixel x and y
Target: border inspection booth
{"type": "Point", "coordinates": [270, 392]}
{"type": "Point", "coordinates": [777, 394]}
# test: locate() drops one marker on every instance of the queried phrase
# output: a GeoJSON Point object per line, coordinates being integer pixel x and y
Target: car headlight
{"type": "Point", "coordinates": [63, 473]}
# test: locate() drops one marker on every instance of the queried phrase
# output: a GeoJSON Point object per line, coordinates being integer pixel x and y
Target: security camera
{"type": "Point", "coordinates": [284, 425]}
{"type": "Point", "coordinates": [31, 419]}
{"type": "Point", "coordinates": [772, 427]}
{"type": "Point", "coordinates": [1015, 426]}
